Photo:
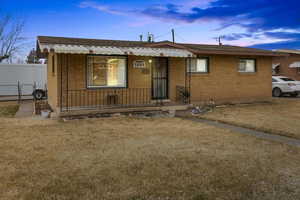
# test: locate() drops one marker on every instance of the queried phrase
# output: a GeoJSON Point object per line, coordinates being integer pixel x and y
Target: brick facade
{"type": "Point", "coordinates": [222, 84]}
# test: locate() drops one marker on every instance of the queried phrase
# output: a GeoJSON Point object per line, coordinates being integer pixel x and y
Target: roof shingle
{"type": "Point", "coordinates": [195, 48]}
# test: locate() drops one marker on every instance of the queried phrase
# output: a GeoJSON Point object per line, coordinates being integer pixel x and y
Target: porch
{"type": "Point", "coordinates": [101, 84]}
{"type": "Point", "coordinates": [122, 98]}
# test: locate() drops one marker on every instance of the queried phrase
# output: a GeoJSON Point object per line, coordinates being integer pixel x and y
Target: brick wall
{"type": "Point", "coordinates": [223, 83]}
{"type": "Point", "coordinates": [52, 82]}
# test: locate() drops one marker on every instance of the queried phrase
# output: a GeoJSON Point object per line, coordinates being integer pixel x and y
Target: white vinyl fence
{"type": "Point", "coordinates": [20, 79]}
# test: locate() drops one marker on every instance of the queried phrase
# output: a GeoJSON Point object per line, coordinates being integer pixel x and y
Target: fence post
{"type": "Point", "coordinates": [46, 90]}
{"type": "Point", "coordinates": [19, 92]}
{"type": "Point", "coordinates": [34, 89]}
{"type": "Point", "coordinates": [34, 86]}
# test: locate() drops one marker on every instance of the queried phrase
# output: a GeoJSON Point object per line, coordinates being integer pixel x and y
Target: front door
{"type": "Point", "coordinates": [160, 78]}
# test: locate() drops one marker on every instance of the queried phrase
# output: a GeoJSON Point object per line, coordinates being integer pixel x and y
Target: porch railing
{"type": "Point", "coordinates": [182, 94]}
{"type": "Point", "coordinates": [106, 98]}
{"type": "Point", "coordinates": [116, 98]}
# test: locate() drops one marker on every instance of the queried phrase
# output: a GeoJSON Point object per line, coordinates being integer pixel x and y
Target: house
{"type": "Point", "coordinates": [288, 65]}
{"type": "Point", "coordinates": [96, 75]}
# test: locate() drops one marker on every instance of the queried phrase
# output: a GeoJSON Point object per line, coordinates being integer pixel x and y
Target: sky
{"type": "Point", "coordinates": [266, 24]}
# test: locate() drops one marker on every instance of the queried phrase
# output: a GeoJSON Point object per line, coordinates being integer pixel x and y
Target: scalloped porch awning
{"type": "Point", "coordinates": [110, 50]}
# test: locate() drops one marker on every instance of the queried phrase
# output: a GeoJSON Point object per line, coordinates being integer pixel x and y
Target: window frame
{"type": "Point", "coordinates": [245, 72]}
{"type": "Point", "coordinates": [105, 87]}
{"type": "Point", "coordinates": [201, 58]}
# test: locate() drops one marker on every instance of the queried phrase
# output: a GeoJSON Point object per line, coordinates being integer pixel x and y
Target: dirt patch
{"type": "Point", "coordinates": [281, 116]}
{"type": "Point", "coordinates": [141, 158]}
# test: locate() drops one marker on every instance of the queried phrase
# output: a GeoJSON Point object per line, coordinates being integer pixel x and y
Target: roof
{"type": "Point", "coordinates": [291, 51]}
{"type": "Point", "coordinates": [82, 45]}
{"type": "Point", "coordinates": [228, 49]}
{"type": "Point", "coordinates": [90, 42]}
{"type": "Point", "coordinates": [107, 47]}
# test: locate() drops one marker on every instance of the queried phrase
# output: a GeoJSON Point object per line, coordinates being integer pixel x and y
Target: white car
{"type": "Point", "coordinates": [284, 85]}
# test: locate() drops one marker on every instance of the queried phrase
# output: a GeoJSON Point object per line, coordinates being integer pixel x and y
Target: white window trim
{"type": "Point", "coordinates": [255, 66]}
{"type": "Point", "coordinates": [105, 87]}
{"type": "Point", "coordinates": [199, 72]}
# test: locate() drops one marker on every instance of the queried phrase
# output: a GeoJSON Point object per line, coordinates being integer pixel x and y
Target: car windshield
{"type": "Point", "coordinates": [287, 79]}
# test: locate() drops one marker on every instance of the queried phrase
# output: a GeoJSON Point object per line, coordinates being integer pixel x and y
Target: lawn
{"type": "Point", "coordinates": [281, 116]}
{"type": "Point", "coordinates": [141, 159]}
{"type": "Point", "coordinates": [8, 109]}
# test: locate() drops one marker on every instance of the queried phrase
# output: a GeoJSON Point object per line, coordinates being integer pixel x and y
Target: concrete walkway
{"type": "Point", "coordinates": [246, 131]}
{"type": "Point", "coordinates": [25, 109]}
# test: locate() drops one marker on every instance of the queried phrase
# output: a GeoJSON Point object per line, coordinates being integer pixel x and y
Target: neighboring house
{"type": "Point", "coordinates": [90, 74]}
{"type": "Point", "coordinates": [287, 65]}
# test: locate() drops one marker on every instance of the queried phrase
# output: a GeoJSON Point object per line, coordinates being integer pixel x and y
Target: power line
{"type": "Point", "coordinates": [181, 37]}
{"type": "Point", "coordinates": [162, 35]}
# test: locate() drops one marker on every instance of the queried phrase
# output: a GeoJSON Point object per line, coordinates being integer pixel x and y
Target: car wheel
{"type": "Point", "coordinates": [38, 94]}
{"type": "Point", "coordinates": [294, 94]}
{"type": "Point", "coordinates": [277, 92]}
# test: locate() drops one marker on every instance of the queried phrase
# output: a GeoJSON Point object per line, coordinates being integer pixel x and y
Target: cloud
{"type": "Point", "coordinates": [294, 44]}
{"type": "Point", "coordinates": [236, 36]}
{"type": "Point", "coordinates": [254, 15]}
{"type": "Point", "coordinates": [276, 19]}
{"type": "Point", "coordinates": [283, 35]}
{"type": "Point", "coordinates": [102, 8]}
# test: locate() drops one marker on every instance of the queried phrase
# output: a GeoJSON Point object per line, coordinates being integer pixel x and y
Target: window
{"type": "Point", "coordinates": [247, 65]}
{"type": "Point", "coordinates": [274, 80]}
{"type": "Point", "coordinates": [106, 71]}
{"type": "Point", "coordinates": [198, 65]}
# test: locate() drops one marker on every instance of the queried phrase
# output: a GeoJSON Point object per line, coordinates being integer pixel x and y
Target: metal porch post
{"type": "Point", "coordinates": [190, 77]}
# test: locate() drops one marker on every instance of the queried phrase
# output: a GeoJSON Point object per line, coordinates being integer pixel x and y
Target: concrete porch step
{"type": "Point", "coordinates": [122, 110]}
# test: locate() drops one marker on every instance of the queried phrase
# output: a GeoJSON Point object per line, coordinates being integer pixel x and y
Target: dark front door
{"type": "Point", "coordinates": [160, 78]}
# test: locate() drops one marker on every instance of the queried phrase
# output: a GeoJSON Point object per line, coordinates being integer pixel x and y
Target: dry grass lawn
{"type": "Point", "coordinates": [281, 116]}
{"type": "Point", "coordinates": [8, 109]}
{"type": "Point", "coordinates": [141, 159]}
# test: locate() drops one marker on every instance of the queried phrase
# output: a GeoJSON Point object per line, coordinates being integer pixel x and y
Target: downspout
{"type": "Point", "coordinates": [186, 74]}
{"type": "Point", "coordinates": [67, 63]}
{"type": "Point", "coordinates": [61, 82]}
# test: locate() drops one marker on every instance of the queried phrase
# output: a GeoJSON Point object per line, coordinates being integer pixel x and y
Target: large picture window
{"type": "Point", "coordinates": [247, 65]}
{"type": "Point", "coordinates": [106, 71]}
{"type": "Point", "coordinates": [197, 65]}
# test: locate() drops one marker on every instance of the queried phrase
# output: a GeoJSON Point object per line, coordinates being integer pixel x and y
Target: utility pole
{"type": "Point", "coordinates": [173, 35]}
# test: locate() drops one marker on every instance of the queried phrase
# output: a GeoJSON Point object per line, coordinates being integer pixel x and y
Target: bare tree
{"type": "Point", "coordinates": [11, 40]}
